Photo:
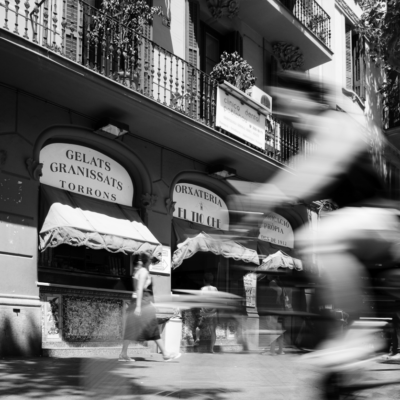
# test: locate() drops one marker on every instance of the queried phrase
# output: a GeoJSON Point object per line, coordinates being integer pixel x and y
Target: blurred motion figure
{"type": "Point", "coordinates": [365, 228]}
{"type": "Point", "coordinates": [207, 317]}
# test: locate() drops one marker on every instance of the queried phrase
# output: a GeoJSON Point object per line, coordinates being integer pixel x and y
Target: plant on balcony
{"type": "Point", "coordinates": [234, 70]}
{"type": "Point", "coordinates": [120, 23]}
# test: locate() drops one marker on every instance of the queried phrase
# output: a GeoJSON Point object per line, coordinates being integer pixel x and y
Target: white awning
{"type": "Point", "coordinates": [279, 260]}
{"type": "Point", "coordinates": [219, 246]}
{"type": "Point", "coordinates": [78, 220]}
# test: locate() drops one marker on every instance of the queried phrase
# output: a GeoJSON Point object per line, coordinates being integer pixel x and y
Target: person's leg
{"type": "Point", "coordinates": [197, 337]}
{"type": "Point", "coordinates": [160, 345]}
{"type": "Point", "coordinates": [213, 333]}
{"type": "Point", "coordinates": [280, 339]}
{"type": "Point", "coordinates": [167, 356]}
{"type": "Point", "coordinates": [123, 356]}
{"type": "Point", "coordinates": [124, 351]}
{"type": "Point", "coordinates": [272, 347]}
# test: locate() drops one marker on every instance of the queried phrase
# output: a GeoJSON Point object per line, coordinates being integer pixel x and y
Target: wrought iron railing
{"type": "Point", "coordinates": [313, 16]}
{"type": "Point", "coordinates": [70, 28]}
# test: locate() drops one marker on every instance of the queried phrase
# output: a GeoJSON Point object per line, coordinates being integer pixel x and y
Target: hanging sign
{"type": "Point", "coordinates": [200, 205]}
{"type": "Point", "coordinates": [250, 286]}
{"type": "Point", "coordinates": [277, 230]}
{"type": "Point", "coordinates": [164, 266]}
{"type": "Point", "coordinates": [85, 171]}
{"type": "Point", "coordinates": [240, 119]}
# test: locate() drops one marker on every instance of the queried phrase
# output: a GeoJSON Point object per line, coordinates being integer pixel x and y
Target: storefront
{"type": "Point", "coordinates": [90, 230]}
{"type": "Point", "coordinates": [281, 263]}
{"type": "Point", "coordinates": [202, 243]}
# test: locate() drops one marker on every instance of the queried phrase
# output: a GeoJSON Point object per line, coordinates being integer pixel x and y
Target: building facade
{"type": "Point", "coordinates": [114, 143]}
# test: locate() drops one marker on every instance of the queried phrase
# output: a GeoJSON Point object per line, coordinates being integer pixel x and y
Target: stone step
{"type": "Point", "coordinates": [103, 352]}
{"type": "Point", "coordinates": [226, 348]}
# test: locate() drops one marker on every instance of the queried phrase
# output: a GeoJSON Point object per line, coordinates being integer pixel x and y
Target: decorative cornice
{"type": "Point", "coordinates": [221, 8]}
{"type": "Point", "coordinates": [289, 56]}
{"type": "Point", "coordinates": [349, 13]}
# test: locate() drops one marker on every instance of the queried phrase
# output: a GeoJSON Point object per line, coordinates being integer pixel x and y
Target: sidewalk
{"type": "Point", "coordinates": [194, 376]}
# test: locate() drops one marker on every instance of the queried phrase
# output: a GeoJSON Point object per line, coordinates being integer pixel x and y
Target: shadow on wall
{"type": "Point", "coordinates": [51, 378]}
{"type": "Point", "coordinates": [20, 333]}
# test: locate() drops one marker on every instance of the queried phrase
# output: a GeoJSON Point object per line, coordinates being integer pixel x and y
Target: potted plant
{"type": "Point", "coordinates": [234, 70]}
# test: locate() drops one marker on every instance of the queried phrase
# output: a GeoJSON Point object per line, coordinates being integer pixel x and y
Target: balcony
{"type": "Point", "coordinates": [126, 60]}
{"type": "Point", "coordinates": [303, 23]}
{"type": "Point", "coordinates": [312, 16]}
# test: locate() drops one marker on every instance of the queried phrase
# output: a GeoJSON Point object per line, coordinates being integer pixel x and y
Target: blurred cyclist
{"type": "Point", "coordinates": [365, 229]}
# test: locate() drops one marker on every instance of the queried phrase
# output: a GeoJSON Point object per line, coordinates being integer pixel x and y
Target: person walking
{"type": "Point", "coordinates": [207, 316]}
{"type": "Point", "coordinates": [141, 322]}
{"type": "Point", "coordinates": [278, 321]}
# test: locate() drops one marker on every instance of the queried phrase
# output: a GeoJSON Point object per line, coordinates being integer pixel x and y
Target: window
{"type": "Point", "coordinates": [355, 62]}
{"type": "Point", "coordinates": [84, 260]}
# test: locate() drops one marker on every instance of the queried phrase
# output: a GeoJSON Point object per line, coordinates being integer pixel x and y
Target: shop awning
{"type": "Point", "coordinates": [279, 260]}
{"type": "Point", "coordinates": [218, 245]}
{"type": "Point", "coordinates": [79, 220]}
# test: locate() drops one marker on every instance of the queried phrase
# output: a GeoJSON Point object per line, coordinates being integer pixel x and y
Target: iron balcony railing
{"type": "Point", "coordinates": [391, 102]}
{"type": "Point", "coordinates": [313, 16]}
{"type": "Point", "coordinates": [70, 28]}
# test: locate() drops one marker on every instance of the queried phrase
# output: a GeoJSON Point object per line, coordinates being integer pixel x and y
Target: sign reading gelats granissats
{"type": "Point", "coordinates": [197, 204]}
{"type": "Point", "coordinates": [276, 229]}
{"type": "Point", "coordinates": [85, 171]}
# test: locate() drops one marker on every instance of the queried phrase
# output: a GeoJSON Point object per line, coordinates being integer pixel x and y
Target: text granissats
{"type": "Point", "coordinates": [86, 172]}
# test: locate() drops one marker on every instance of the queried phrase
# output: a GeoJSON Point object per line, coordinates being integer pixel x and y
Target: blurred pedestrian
{"type": "Point", "coordinates": [141, 322]}
{"type": "Point", "coordinates": [207, 318]}
{"type": "Point", "coordinates": [278, 320]}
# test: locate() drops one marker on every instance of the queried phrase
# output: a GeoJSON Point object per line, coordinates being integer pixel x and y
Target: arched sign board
{"type": "Point", "coordinates": [85, 171]}
{"type": "Point", "coordinates": [197, 204]}
{"type": "Point", "coordinates": [277, 230]}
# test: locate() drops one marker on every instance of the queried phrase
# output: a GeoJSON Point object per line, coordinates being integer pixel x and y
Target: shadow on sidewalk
{"type": "Point", "coordinates": [95, 378]}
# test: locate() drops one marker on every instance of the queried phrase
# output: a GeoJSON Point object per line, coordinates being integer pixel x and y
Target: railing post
{"type": "Point", "coordinates": [138, 66]}
{"type": "Point", "coordinates": [159, 75]}
{"type": "Point", "coordinates": [6, 14]}
{"type": "Point", "coordinates": [16, 16]}
{"type": "Point", "coordinates": [55, 20]}
{"type": "Point", "coordinates": [171, 82]}
{"type": "Point", "coordinates": [165, 77]}
{"type": "Point", "coordinates": [45, 23]}
{"type": "Point", "coordinates": [152, 71]}
{"type": "Point", "coordinates": [27, 5]}
{"type": "Point", "coordinates": [79, 50]}
{"type": "Point", "coordinates": [111, 50]}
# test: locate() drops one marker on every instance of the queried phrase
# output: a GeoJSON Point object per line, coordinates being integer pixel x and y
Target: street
{"type": "Point", "coordinates": [194, 376]}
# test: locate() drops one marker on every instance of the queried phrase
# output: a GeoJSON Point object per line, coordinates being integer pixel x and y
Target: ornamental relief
{"type": "Point", "coordinates": [289, 56]}
{"type": "Point", "coordinates": [221, 8]}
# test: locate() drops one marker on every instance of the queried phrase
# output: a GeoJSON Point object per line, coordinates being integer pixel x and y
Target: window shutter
{"type": "Point", "coordinates": [357, 67]}
{"type": "Point", "coordinates": [192, 32]}
{"type": "Point", "coordinates": [232, 42]}
{"type": "Point", "coordinates": [349, 66]}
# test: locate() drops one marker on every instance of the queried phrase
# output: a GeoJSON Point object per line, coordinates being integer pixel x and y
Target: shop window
{"type": "Point", "coordinates": [85, 260]}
